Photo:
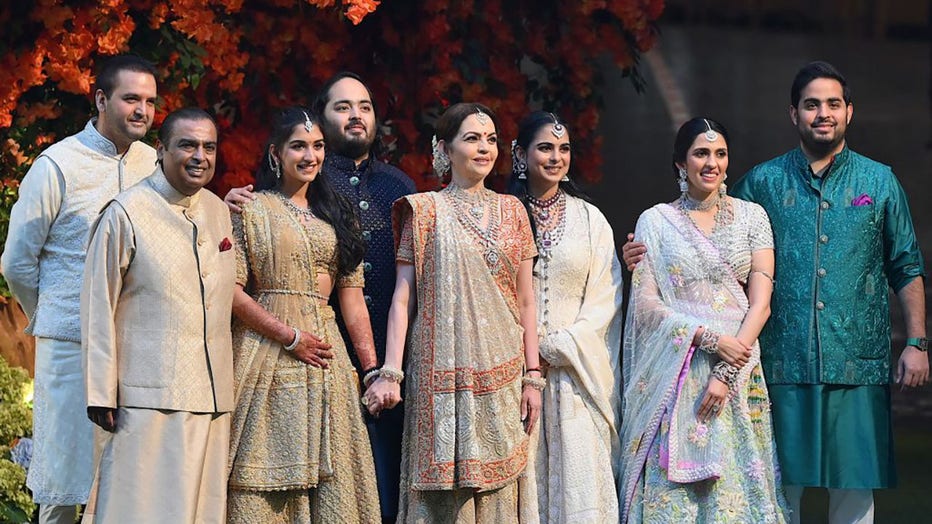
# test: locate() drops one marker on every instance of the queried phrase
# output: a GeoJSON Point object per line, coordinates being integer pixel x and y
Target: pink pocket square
{"type": "Point", "coordinates": [863, 200]}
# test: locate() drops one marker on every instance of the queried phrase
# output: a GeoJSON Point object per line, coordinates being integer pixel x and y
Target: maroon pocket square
{"type": "Point", "coordinates": [225, 245]}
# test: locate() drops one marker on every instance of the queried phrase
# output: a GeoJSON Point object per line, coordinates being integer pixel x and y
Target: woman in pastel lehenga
{"type": "Point", "coordinates": [578, 285]}
{"type": "Point", "coordinates": [697, 437]}
{"type": "Point", "coordinates": [299, 449]}
{"type": "Point", "coordinates": [464, 321]}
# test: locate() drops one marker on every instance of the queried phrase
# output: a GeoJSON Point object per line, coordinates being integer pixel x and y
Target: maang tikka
{"type": "Point", "coordinates": [308, 125]}
{"type": "Point", "coordinates": [557, 129]}
{"type": "Point", "coordinates": [482, 117]}
{"type": "Point", "coordinates": [710, 135]}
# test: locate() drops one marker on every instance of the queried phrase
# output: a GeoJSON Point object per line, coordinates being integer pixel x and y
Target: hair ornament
{"type": "Point", "coordinates": [308, 125]}
{"type": "Point", "coordinates": [440, 160]}
{"type": "Point", "coordinates": [482, 117]}
{"type": "Point", "coordinates": [557, 129]}
{"type": "Point", "coordinates": [710, 135]}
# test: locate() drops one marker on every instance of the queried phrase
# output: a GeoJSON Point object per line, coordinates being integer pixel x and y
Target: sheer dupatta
{"type": "Point", "coordinates": [682, 284]}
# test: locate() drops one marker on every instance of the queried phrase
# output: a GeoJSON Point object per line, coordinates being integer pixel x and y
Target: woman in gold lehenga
{"type": "Point", "coordinates": [299, 449]}
{"type": "Point", "coordinates": [464, 282]}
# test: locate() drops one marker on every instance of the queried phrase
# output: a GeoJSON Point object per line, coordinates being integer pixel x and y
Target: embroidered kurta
{"type": "Point", "coordinates": [841, 240]}
{"type": "Point", "coordinates": [579, 294]}
{"type": "Point", "coordinates": [155, 312]}
{"type": "Point", "coordinates": [464, 357]}
{"type": "Point", "coordinates": [371, 187]}
{"type": "Point", "coordinates": [296, 427]}
{"type": "Point", "coordinates": [676, 468]}
{"type": "Point", "coordinates": [43, 258]}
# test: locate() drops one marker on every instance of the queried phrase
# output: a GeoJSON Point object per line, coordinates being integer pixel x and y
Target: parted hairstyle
{"type": "Point", "coordinates": [812, 71]}
{"type": "Point", "coordinates": [325, 202]}
{"type": "Point", "coordinates": [186, 113]}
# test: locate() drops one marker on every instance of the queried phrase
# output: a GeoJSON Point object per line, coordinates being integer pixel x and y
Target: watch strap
{"type": "Point", "coordinates": [920, 343]}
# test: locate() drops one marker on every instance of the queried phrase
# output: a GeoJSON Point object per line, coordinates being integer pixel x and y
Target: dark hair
{"type": "Point", "coordinates": [527, 130]}
{"type": "Point", "coordinates": [325, 202]}
{"type": "Point", "coordinates": [687, 135]}
{"type": "Point", "coordinates": [812, 71]}
{"type": "Point", "coordinates": [323, 98]}
{"type": "Point", "coordinates": [108, 71]}
{"type": "Point", "coordinates": [186, 113]}
{"type": "Point", "coordinates": [450, 121]}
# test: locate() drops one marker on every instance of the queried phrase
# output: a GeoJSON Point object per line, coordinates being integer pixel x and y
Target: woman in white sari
{"type": "Point", "coordinates": [578, 285]}
{"type": "Point", "coordinates": [697, 439]}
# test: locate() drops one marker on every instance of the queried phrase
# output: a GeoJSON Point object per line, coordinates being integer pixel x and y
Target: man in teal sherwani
{"type": "Point", "coordinates": [843, 234]}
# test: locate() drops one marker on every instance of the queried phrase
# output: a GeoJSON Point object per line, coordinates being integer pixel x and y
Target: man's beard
{"type": "Point", "coordinates": [822, 147]}
{"type": "Point", "coordinates": [353, 148]}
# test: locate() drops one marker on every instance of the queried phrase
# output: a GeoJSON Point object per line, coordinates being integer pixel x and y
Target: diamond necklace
{"type": "Point", "coordinates": [464, 206]}
{"type": "Point", "coordinates": [550, 221]}
{"type": "Point", "coordinates": [302, 212]}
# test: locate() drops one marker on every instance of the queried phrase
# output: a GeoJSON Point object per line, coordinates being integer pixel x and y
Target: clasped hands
{"type": "Point", "coordinates": [734, 352]}
{"type": "Point", "coordinates": [382, 393]}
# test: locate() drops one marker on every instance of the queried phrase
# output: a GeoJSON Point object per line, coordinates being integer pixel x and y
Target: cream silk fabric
{"type": "Point", "coordinates": [158, 291]}
{"type": "Point", "coordinates": [577, 448]}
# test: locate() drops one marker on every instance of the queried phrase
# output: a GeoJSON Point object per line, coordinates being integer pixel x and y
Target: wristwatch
{"type": "Point", "coordinates": [920, 343]}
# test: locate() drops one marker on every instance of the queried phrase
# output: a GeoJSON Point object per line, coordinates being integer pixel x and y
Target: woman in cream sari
{"type": "Point", "coordinates": [472, 375]}
{"type": "Point", "coordinates": [578, 284]}
{"type": "Point", "coordinates": [697, 438]}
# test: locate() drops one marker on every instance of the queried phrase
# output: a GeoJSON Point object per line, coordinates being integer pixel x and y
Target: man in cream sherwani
{"type": "Point", "coordinates": [43, 259]}
{"type": "Point", "coordinates": [155, 312]}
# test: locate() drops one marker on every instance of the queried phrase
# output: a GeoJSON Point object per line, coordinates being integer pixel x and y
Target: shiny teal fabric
{"type": "Point", "coordinates": [834, 436]}
{"type": "Point", "coordinates": [834, 261]}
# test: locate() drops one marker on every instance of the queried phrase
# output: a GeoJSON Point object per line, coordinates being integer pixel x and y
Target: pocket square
{"type": "Point", "coordinates": [863, 200]}
{"type": "Point", "coordinates": [225, 244]}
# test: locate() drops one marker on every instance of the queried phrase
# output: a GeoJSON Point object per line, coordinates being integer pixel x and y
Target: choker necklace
{"type": "Point", "coordinates": [691, 204]}
{"type": "Point", "coordinates": [302, 212]}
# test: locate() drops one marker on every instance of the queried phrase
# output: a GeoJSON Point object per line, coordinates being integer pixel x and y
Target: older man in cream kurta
{"type": "Point", "coordinates": [158, 291]}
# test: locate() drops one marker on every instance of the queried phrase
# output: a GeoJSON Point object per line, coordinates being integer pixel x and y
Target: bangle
{"type": "Point", "coordinates": [708, 341]}
{"type": "Point", "coordinates": [538, 383]}
{"type": "Point", "coordinates": [727, 374]}
{"type": "Point", "coordinates": [528, 370]}
{"type": "Point", "coordinates": [391, 374]}
{"type": "Point", "coordinates": [370, 376]}
{"type": "Point", "coordinates": [295, 342]}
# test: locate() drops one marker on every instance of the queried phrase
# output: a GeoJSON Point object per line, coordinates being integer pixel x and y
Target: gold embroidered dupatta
{"type": "Point", "coordinates": [464, 358]}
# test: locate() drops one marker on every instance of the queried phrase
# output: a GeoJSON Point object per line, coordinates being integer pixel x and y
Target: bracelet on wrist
{"type": "Point", "coordinates": [708, 341]}
{"type": "Point", "coordinates": [295, 342]}
{"type": "Point", "coordinates": [391, 374]}
{"type": "Point", "coordinates": [727, 374]}
{"type": "Point", "coordinates": [538, 383]}
{"type": "Point", "coordinates": [370, 375]}
{"type": "Point", "coordinates": [529, 370]}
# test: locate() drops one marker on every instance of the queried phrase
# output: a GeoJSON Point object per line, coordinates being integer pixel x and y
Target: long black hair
{"type": "Point", "coordinates": [527, 130]}
{"type": "Point", "coordinates": [687, 135]}
{"type": "Point", "coordinates": [325, 202]}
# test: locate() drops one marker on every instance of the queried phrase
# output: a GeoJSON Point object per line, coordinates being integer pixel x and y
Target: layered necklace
{"type": "Point", "coordinates": [304, 213]}
{"type": "Point", "coordinates": [724, 214]}
{"type": "Point", "coordinates": [470, 209]}
{"type": "Point", "coordinates": [550, 221]}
